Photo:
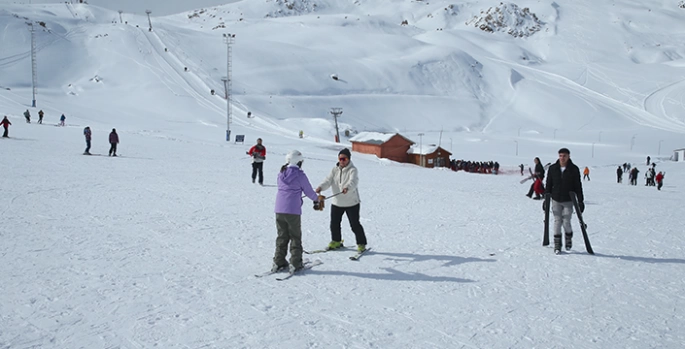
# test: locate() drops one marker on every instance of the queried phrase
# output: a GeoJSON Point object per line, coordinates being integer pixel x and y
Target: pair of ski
{"type": "Point", "coordinates": [583, 226]}
{"type": "Point", "coordinates": [355, 257]}
{"type": "Point", "coordinates": [306, 266]}
{"type": "Point", "coordinates": [532, 175]}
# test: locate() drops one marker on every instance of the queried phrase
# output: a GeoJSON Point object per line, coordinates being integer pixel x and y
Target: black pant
{"type": "Point", "coordinates": [353, 217]}
{"type": "Point", "coordinates": [40, 119]}
{"type": "Point", "coordinates": [87, 145]}
{"type": "Point", "coordinates": [257, 168]}
{"type": "Point", "coordinates": [113, 149]}
{"type": "Point", "coordinates": [5, 134]}
{"type": "Point", "coordinates": [659, 185]}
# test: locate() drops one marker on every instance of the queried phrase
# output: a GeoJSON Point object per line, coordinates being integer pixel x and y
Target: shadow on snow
{"type": "Point", "coordinates": [396, 275]}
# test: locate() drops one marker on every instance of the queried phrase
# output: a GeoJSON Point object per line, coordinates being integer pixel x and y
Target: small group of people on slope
{"type": "Point", "coordinates": [87, 132]}
{"type": "Point", "coordinates": [27, 115]}
{"type": "Point", "coordinates": [113, 141]}
{"type": "Point", "coordinates": [652, 178]}
{"type": "Point", "coordinates": [41, 114]}
{"type": "Point", "coordinates": [343, 181]}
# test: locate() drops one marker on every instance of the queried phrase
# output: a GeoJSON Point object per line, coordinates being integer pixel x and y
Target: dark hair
{"type": "Point", "coordinates": [284, 167]}
{"type": "Point", "coordinates": [564, 151]}
{"type": "Point", "coordinates": [537, 159]}
{"type": "Point", "coordinates": [345, 152]}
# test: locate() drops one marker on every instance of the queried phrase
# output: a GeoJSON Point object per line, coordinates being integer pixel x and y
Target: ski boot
{"type": "Point", "coordinates": [557, 244]}
{"type": "Point", "coordinates": [275, 268]}
{"type": "Point", "coordinates": [361, 248]}
{"type": "Point", "coordinates": [569, 243]}
{"type": "Point", "coordinates": [293, 269]}
{"type": "Point", "coordinates": [334, 245]}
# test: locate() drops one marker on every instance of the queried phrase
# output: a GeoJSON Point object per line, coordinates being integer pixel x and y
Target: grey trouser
{"type": "Point", "coordinates": [562, 215]}
{"type": "Point", "coordinates": [289, 231]}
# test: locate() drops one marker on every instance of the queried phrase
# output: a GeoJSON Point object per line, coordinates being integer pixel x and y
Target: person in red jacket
{"type": "Point", "coordinates": [258, 154]}
{"type": "Point", "coordinates": [659, 180]}
{"type": "Point", "coordinates": [5, 124]}
{"type": "Point", "coordinates": [113, 141]}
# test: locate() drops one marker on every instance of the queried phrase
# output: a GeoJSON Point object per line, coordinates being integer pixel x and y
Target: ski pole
{"type": "Point", "coordinates": [326, 197]}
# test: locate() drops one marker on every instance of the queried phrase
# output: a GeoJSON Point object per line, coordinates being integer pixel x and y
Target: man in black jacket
{"type": "Point", "coordinates": [564, 177]}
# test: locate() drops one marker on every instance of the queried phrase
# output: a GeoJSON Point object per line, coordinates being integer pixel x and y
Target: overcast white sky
{"type": "Point", "coordinates": [138, 6]}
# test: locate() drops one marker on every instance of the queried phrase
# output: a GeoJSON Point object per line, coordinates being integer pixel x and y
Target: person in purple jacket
{"type": "Point", "coordinates": [113, 141]}
{"type": "Point", "coordinates": [292, 182]}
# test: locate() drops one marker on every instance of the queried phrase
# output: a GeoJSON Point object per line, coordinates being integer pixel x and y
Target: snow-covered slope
{"type": "Point", "coordinates": [158, 248]}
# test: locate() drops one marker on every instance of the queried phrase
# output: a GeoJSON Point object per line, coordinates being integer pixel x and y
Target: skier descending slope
{"type": "Point", "coordinates": [562, 178]}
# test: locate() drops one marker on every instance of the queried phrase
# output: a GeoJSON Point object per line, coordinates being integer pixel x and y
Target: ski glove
{"type": "Point", "coordinates": [544, 205]}
{"type": "Point", "coordinates": [320, 204]}
{"type": "Point", "coordinates": [582, 206]}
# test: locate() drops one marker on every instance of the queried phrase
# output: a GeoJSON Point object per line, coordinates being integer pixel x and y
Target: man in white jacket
{"type": "Point", "coordinates": [343, 179]}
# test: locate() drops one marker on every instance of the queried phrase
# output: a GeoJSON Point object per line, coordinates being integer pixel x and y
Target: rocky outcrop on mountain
{"type": "Point", "coordinates": [508, 18]}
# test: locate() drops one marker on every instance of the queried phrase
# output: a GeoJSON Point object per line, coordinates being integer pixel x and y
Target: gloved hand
{"type": "Point", "coordinates": [316, 206]}
{"type": "Point", "coordinates": [582, 206]}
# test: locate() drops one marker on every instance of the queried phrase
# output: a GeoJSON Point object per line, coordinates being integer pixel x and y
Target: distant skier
{"type": "Point", "coordinates": [292, 182]}
{"type": "Point", "coordinates": [648, 160]}
{"type": "Point", "coordinates": [62, 120]}
{"type": "Point", "coordinates": [633, 175]}
{"type": "Point", "coordinates": [496, 168]}
{"type": "Point", "coordinates": [521, 167]}
{"type": "Point", "coordinates": [660, 180]}
{"type": "Point", "coordinates": [113, 141]}
{"type": "Point", "coordinates": [586, 173]}
{"type": "Point", "coordinates": [562, 178]}
{"type": "Point", "coordinates": [27, 115]}
{"type": "Point", "coordinates": [40, 116]}
{"type": "Point", "coordinates": [87, 133]}
{"type": "Point", "coordinates": [619, 174]}
{"type": "Point", "coordinates": [258, 154]}
{"type": "Point", "coordinates": [649, 177]}
{"type": "Point", "coordinates": [5, 124]}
